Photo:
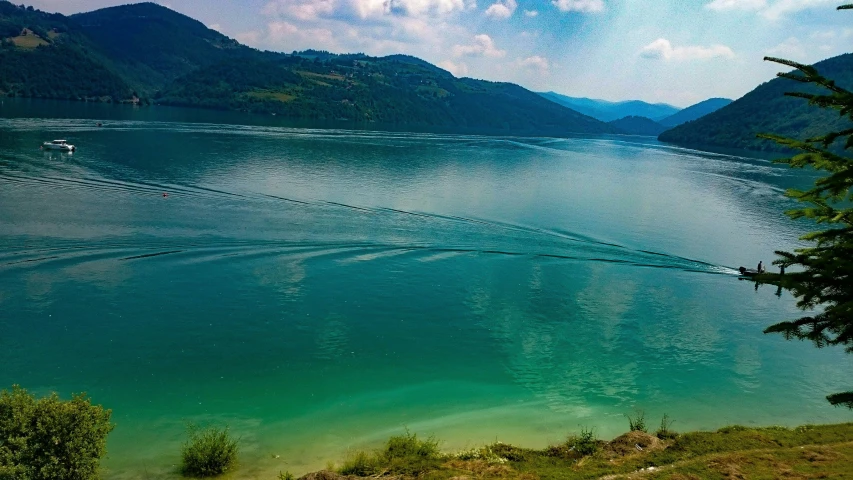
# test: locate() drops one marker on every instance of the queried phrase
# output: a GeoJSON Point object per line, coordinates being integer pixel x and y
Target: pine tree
{"type": "Point", "coordinates": [822, 281]}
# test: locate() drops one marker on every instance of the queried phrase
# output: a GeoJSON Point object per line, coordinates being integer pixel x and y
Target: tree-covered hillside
{"type": "Point", "coordinates": [764, 110]}
{"type": "Point", "coordinates": [638, 126]}
{"type": "Point", "coordinates": [171, 59]}
{"type": "Point", "coordinates": [695, 112]}
{"type": "Point", "coordinates": [151, 45]}
{"type": "Point", "coordinates": [391, 90]}
{"type": "Point", "coordinates": [46, 55]}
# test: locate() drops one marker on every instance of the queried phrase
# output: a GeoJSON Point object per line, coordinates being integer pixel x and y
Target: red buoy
{"type": "Point", "coordinates": [165, 194]}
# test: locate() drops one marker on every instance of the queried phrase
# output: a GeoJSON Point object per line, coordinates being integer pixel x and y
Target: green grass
{"type": "Point", "coordinates": [208, 452]}
{"type": "Point", "coordinates": [28, 41]}
{"type": "Point", "coordinates": [806, 452]}
{"type": "Point", "coordinates": [402, 455]}
{"type": "Point", "coordinates": [272, 95]}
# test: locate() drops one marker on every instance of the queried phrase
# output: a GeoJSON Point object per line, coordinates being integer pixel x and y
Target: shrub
{"type": "Point", "coordinates": [486, 454]}
{"type": "Point", "coordinates": [585, 443]}
{"type": "Point", "coordinates": [637, 423]}
{"type": "Point", "coordinates": [361, 464]}
{"type": "Point", "coordinates": [49, 438]}
{"type": "Point", "coordinates": [576, 446]}
{"type": "Point", "coordinates": [208, 452]}
{"type": "Point", "coordinates": [664, 432]}
{"type": "Point", "coordinates": [286, 476]}
{"type": "Point", "coordinates": [403, 455]}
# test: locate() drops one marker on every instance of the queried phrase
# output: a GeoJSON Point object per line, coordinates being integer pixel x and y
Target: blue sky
{"type": "Point", "coordinates": [673, 51]}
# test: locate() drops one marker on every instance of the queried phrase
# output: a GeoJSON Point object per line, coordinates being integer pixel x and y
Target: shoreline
{"type": "Point", "coordinates": [254, 463]}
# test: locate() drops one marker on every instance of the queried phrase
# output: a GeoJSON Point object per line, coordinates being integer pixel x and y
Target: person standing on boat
{"type": "Point", "coordinates": [760, 268]}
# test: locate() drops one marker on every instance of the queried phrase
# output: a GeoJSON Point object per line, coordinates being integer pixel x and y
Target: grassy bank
{"type": "Point", "coordinates": [821, 451]}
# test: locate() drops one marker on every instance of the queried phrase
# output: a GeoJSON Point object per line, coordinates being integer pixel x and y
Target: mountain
{"type": "Point", "coordinates": [695, 112]}
{"type": "Point", "coordinates": [638, 126]}
{"type": "Point", "coordinates": [608, 111]}
{"type": "Point", "coordinates": [146, 50]}
{"type": "Point", "coordinates": [767, 110]}
{"type": "Point", "coordinates": [391, 90]}
{"type": "Point", "coordinates": [47, 55]}
{"type": "Point", "coordinates": [151, 46]}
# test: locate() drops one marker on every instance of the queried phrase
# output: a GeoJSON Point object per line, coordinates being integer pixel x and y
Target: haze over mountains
{"type": "Point", "coordinates": [636, 117]}
{"type": "Point", "coordinates": [607, 111]}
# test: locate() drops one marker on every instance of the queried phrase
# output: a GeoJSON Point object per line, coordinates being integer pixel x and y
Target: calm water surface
{"type": "Point", "coordinates": [320, 290]}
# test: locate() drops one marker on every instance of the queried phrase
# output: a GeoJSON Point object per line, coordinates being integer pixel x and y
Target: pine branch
{"type": "Point", "coordinates": [845, 398]}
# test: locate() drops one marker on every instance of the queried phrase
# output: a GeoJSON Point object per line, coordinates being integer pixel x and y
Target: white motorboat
{"type": "Point", "coordinates": [61, 145]}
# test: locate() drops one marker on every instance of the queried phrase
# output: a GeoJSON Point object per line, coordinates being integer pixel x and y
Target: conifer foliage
{"type": "Point", "coordinates": [822, 280]}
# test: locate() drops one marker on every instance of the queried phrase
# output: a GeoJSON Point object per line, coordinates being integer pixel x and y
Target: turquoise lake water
{"type": "Point", "coordinates": [320, 290]}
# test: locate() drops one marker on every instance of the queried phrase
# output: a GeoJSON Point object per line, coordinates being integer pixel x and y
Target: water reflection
{"type": "Point", "coordinates": [352, 282]}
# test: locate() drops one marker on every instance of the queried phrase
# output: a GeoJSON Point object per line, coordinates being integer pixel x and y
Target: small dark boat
{"type": "Point", "coordinates": [748, 272]}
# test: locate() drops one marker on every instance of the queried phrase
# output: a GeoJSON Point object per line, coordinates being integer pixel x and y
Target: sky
{"type": "Point", "coordinates": [670, 51]}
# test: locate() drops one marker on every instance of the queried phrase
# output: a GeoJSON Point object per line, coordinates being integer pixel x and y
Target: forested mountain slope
{"type": "Point", "coordinates": [146, 50]}
{"type": "Point", "coordinates": [695, 112]}
{"type": "Point", "coordinates": [47, 55]}
{"type": "Point", "coordinates": [151, 45]}
{"type": "Point", "coordinates": [767, 110]}
{"type": "Point", "coordinates": [396, 89]}
{"type": "Point", "coordinates": [638, 126]}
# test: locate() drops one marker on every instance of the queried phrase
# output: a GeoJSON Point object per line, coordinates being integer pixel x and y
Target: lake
{"type": "Point", "coordinates": [318, 290]}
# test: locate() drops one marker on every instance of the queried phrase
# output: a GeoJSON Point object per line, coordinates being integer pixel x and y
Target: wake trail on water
{"type": "Point", "coordinates": [428, 235]}
{"type": "Point", "coordinates": [345, 254]}
{"type": "Point", "coordinates": [580, 247]}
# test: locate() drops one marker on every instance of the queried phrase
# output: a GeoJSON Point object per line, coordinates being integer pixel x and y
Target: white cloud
{"type": "Point", "coordinates": [531, 13]}
{"type": "Point", "coordinates": [363, 9]}
{"type": "Point", "coordinates": [812, 48]}
{"type": "Point", "coordinates": [583, 6]}
{"type": "Point", "coordinates": [727, 5]}
{"type": "Point", "coordinates": [457, 69]}
{"type": "Point", "coordinates": [252, 39]}
{"type": "Point", "coordinates": [780, 8]}
{"type": "Point", "coordinates": [502, 9]}
{"type": "Point", "coordinates": [216, 27]}
{"type": "Point", "coordinates": [536, 63]}
{"type": "Point", "coordinates": [483, 46]}
{"type": "Point", "coordinates": [301, 9]}
{"type": "Point", "coordinates": [791, 48]}
{"type": "Point", "coordinates": [663, 49]}
{"type": "Point", "coordinates": [771, 10]}
{"type": "Point", "coordinates": [376, 27]}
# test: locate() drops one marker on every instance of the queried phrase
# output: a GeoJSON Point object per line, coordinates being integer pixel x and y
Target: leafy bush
{"type": "Point", "coordinates": [403, 455]}
{"type": "Point", "coordinates": [486, 454]}
{"type": "Point", "coordinates": [361, 464]}
{"type": "Point", "coordinates": [664, 432]}
{"type": "Point", "coordinates": [585, 443]}
{"type": "Point", "coordinates": [208, 452]}
{"type": "Point", "coordinates": [49, 438]}
{"type": "Point", "coordinates": [637, 423]}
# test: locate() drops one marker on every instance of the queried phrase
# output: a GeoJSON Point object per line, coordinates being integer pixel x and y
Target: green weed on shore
{"type": "Point", "coordinates": [824, 451]}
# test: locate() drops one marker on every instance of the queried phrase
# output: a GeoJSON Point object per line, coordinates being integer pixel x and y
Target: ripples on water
{"type": "Point", "coordinates": [320, 289]}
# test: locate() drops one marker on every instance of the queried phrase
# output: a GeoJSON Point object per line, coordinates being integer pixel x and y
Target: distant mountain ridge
{"type": "Point", "coordinates": [607, 111]}
{"type": "Point", "coordinates": [638, 126]}
{"type": "Point", "coordinates": [694, 112]}
{"type": "Point", "coordinates": [766, 109]}
{"type": "Point", "coordinates": [148, 51]}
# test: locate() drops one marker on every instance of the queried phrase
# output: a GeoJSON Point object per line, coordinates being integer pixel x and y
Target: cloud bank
{"type": "Point", "coordinates": [664, 50]}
